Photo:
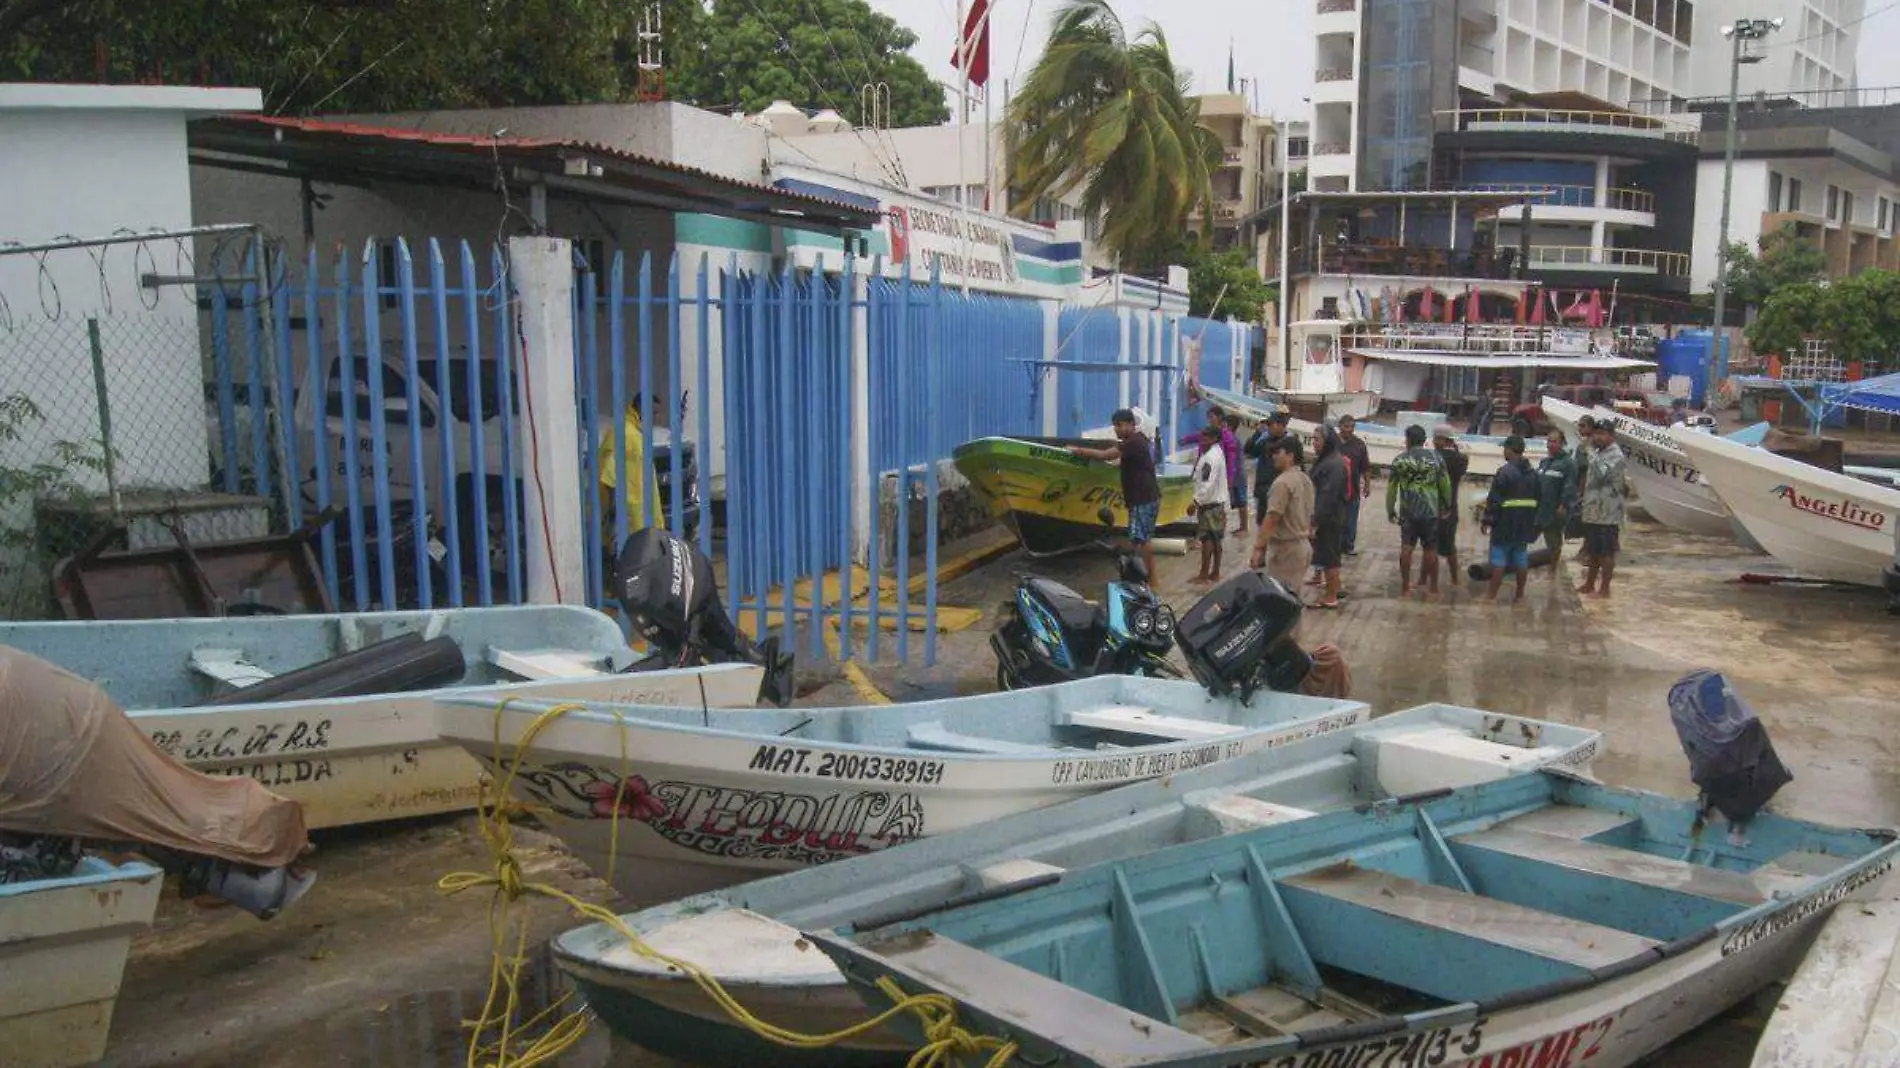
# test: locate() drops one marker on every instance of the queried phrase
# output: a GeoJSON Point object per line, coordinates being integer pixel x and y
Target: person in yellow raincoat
{"type": "Point", "coordinates": [643, 499]}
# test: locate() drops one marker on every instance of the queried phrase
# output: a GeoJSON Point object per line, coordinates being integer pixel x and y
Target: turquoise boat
{"type": "Point", "coordinates": [1536, 920]}
{"type": "Point", "coordinates": [748, 936]}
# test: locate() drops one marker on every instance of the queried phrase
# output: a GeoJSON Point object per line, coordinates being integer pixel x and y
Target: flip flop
{"type": "Point", "coordinates": [1325, 605]}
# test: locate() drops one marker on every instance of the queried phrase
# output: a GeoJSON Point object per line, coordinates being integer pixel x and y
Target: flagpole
{"type": "Point", "coordinates": [964, 46]}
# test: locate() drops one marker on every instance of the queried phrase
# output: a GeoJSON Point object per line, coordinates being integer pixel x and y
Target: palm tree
{"type": "Point", "coordinates": [1114, 116]}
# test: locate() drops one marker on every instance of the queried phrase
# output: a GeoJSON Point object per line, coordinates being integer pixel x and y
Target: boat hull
{"type": "Point", "coordinates": [63, 946]}
{"type": "Point", "coordinates": [352, 760]}
{"type": "Point", "coordinates": [1383, 445]}
{"type": "Point", "coordinates": [1667, 482]}
{"type": "Point", "coordinates": [1819, 523]}
{"type": "Point", "coordinates": [1050, 499]}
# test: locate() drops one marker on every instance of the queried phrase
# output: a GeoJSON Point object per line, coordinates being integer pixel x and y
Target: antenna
{"type": "Point", "coordinates": [650, 56]}
{"type": "Point", "coordinates": [874, 105]}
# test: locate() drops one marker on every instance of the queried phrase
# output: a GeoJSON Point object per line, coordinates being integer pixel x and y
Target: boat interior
{"type": "Point", "coordinates": [1108, 712]}
{"type": "Point", "coordinates": [1392, 755]}
{"type": "Point", "coordinates": [172, 663]}
{"type": "Point", "coordinates": [1395, 917]}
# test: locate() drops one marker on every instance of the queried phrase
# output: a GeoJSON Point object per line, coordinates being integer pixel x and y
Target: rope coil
{"type": "Point", "coordinates": [946, 1043]}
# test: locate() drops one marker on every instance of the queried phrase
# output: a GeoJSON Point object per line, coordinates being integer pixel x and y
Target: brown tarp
{"type": "Point", "coordinates": [1329, 677]}
{"type": "Point", "coordinates": [73, 764]}
{"type": "Point", "coordinates": [1821, 452]}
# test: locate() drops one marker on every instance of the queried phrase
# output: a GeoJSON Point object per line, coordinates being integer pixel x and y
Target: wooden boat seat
{"type": "Point", "coordinates": [1131, 719]}
{"type": "Point", "coordinates": [1746, 889]}
{"type": "Point", "coordinates": [1104, 1032]}
{"type": "Point", "coordinates": [1235, 813]}
{"type": "Point", "coordinates": [934, 735]}
{"type": "Point", "coordinates": [543, 664]}
{"type": "Point", "coordinates": [1572, 821]}
{"type": "Point", "coordinates": [229, 666]}
{"type": "Point", "coordinates": [1011, 872]}
{"type": "Point", "coordinates": [1443, 942]}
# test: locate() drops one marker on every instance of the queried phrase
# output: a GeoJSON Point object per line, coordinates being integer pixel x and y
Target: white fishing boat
{"type": "Point", "coordinates": [1383, 443]}
{"type": "Point", "coordinates": [1842, 1008]}
{"type": "Point", "coordinates": [371, 755]}
{"type": "Point", "coordinates": [63, 944]}
{"type": "Point", "coordinates": [1820, 523]}
{"type": "Point", "coordinates": [748, 937]}
{"type": "Point", "coordinates": [667, 801]}
{"type": "Point", "coordinates": [1670, 486]}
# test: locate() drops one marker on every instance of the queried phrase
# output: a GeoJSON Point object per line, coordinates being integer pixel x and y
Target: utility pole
{"type": "Point", "coordinates": [1740, 31]}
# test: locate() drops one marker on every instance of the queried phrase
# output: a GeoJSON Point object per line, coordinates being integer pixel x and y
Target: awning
{"type": "Point", "coordinates": [354, 154]}
{"type": "Point", "coordinates": [1520, 359]}
{"type": "Point", "coordinates": [1873, 394]}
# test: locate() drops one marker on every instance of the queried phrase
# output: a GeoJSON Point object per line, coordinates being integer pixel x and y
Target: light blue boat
{"type": "Point", "coordinates": [1532, 920]}
{"type": "Point", "coordinates": [748, 936]}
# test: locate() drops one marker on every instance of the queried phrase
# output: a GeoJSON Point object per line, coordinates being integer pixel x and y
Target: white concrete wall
{"type": "Point", "coordinates": [1746, 203]}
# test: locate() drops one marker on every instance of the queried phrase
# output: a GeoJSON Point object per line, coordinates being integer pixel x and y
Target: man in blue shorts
{"type": "Point", "coordinates": [1510, 517]}
{"type": "Point", "coordinates": [1136, 458]}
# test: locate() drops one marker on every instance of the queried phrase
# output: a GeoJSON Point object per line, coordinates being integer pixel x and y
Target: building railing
{"type": "Point", "coordinates": [1618, 121]}
{"type": "Point", "coordinates": [1232, 156]}
{"type": "Point", "coordinates": [1333, 74]}
{"type": "Point", "coordinates": [1570, 196]}
{"type": "Point", "coordinates": [1372, 258]}
{"type": "Point", "coordinates": [1673, 264]}
{"type": "Point", "coordinates": [1485, 338]}
{"type": "Point", "coordinates": [1334, 7]}
{"type": "Point", "coordinates": [1332, 148]}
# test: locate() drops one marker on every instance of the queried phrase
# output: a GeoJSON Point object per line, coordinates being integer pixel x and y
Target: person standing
{"type": "Point", "coordinates": [1210, 500]}
{"type": "Point", "coordinates": [1557, 497]}
{"type": "Point", "coordinates": [642, 497]}
{"type": "Point", "coordinates": [1456, 463]}
{"type": "Point", "coordinates": [1285, 545]}
{"type": "Point", "coordinates": [1260, 446]}
{"type": "Point", "coordinates": [1481, 416]}
{"type": "Point", "coordinates": [1605, 490]}
{"type": "Point", "coordinates": [1415, 494]}
{"type": "Point", "coordinates": [1140, 492]}
{"type": "Point", "coordinates": [1586, 445]}
{"type": "Point", "coordinates": [1359, 467]}
{"type": "Point", "coordinates": [1236, 476]}
{"type": "Point", "coordinates": [1229, 445]}
{"type": "Point", "coordinates": [1332, 494]}
{"type": "Point", "coordinates": [1510, 517]}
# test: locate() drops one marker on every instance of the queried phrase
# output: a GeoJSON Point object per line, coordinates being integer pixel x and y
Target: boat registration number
{"type": "Point", "coordinates": [1415, 1049]}
{"type": "Point", "coordinates": [794, 760]}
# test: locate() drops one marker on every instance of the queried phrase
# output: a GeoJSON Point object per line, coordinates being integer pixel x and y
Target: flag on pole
{"type": "Point", "coordinates": [1230, 65]}
{"type": "Point", "coordinates": [972, 56]}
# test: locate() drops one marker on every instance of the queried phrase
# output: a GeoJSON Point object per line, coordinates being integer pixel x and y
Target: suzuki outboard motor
{"type": "Point", "coordinates": [1730, 756]}
{"type": "Point", "coordinates": [1240, 637]}
{"type": "Point", "coordinates": [668, 591]}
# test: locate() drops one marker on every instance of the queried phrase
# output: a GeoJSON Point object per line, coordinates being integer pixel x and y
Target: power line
{"type": "Point", "coordinates": [870, 79]}
{"type": "Point", "coordinates": [1016, 67]}
{"type": "Point", "coordinates": [1890, 5]}
{"type": "Point", "coordinates": [823, 93]}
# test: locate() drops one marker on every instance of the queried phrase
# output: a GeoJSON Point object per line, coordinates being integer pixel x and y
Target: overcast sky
{"type": "Point", "coordinates": [1272, 40]}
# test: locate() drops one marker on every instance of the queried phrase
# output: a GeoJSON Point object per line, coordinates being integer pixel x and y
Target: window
{"type": "Point", "coordinates": [1883, 207]}
{"type": "Point", "coordinates": [1833, 204]}
{"type": "Point", "coordinates": [1794, 195]}
{"type": "Point", "coordinates": [395, 395]}
{"type": "Point", "coordinates": [1847, 206]}
{"type": "Point", "coordinates": [1774, 191]}
{"type": "Point", "coordinates": [1296, 148]}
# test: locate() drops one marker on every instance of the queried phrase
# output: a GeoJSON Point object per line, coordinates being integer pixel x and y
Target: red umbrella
{"type": "Point", "coordinates": [1471, 308]}
{"type": "Point", "coordinates": [1595, 311]}
{"type": "Point", "coordinates": [1537, 309]}
{"type": "Point", "coordinates": [1425, 304]}
{"type": "Point", "coordinates": [1521, 311]}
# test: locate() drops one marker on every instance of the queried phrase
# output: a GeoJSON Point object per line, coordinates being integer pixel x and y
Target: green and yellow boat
{"type": "Point", "coordinates": [1052, 501]}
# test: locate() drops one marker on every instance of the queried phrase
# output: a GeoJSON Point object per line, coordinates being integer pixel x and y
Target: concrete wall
{"type": "Point", "coordinates": [1746, 204]}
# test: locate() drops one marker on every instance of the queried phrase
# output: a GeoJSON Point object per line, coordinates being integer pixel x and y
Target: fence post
{"type": "Point", "coordinates": [1049, 380]}
{"type": "Point", "coordinates": [863, 478]}
{"type": "Point", "coordinates": [542, 274]}
{"type": "Point", "coordinates": [105, 415]}
{"type": "Point", "coordinates": [1122, 316]}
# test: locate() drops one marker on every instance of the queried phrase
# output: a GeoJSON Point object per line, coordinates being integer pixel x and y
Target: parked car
{"type": "Point", "coordinates": [1529, 420]}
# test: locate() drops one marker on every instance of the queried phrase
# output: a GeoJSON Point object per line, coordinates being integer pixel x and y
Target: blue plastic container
{"type": "Point", "coordinates": [1685, 354]}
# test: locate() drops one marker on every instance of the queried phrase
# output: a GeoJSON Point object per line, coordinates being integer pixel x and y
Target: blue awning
{"type": "Point", "coordinates": [1873, 394]}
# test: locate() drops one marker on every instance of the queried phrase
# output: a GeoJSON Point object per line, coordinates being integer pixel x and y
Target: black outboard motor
{"type": "Point", "coordinates": [667, 588]}
{"type": "Point", "coordinates": [1730, 756]}
{"type": "Point", "coordinates": [1240, 637]}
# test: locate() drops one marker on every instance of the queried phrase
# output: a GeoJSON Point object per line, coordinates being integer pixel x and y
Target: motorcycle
{"type": "Point", "coordinates": [1053, 634]}
{"type": "Point", "coordinates": [668, 591]}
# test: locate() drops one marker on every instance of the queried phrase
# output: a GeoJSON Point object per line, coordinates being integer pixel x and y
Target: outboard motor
{"type": "Point", "coordinates": [668, 590]}
{"type": "Point", "coordinates": [1730, 756]}
{"type": "Point", "coordinates": [1240, 637]}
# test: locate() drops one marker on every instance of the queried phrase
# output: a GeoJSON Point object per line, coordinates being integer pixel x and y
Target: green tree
{"type": "Point", "coordinates": [1113, 115]}
{"type": "Point", "coordinates": [1785, 258]}
{"type": "Point", "coordinates": [1861, 318]}
{"type": "Point", "coordinates": [1227, 276]}
{"type": "Point", "coordinates": [396, 55]}
{"type": "Point", "coordinates": [1789, 315]}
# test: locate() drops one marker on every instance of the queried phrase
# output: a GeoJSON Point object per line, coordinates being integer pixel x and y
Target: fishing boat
{"type": "Point", "coordinates": [668, 801]}
{"type": "Point", "coordinates": [1320, 392]}
{"type": "Point", "coordinates": [282, 698]}
{"type": "Point", "coordinates": [1383, 443]}
{"type": "Point", "coordinates": [1536, 919]}
{"type": "Point", "coordinates": [1670, 486]}
{"type": "Point", "coordinates": [748, 937]}
{"type": "Point", "coordinates": [1053, 501]}
{"type": "Point", "coordinates": [1842, 1008]}
{"type": "Point", "coordinates": [63, 944]}
{"type": "Point", "coordinates": [1820, 523]}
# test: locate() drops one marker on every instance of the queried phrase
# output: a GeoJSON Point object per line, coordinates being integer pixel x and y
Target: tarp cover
{"type": "Point", "coordinates": [1730, 756]}
{"type": "Point", "coordinates": [1880, 394]}
{"type": "Point", "coordinates": [72, 764]}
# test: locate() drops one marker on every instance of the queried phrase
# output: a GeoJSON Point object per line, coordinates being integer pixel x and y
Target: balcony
{"type": "Point", "coordinates": [1228, 209]}
{"type": "Point", "coordinates": [1572, 203]}
{"type": "Point", "coordinates": [1335, 7]}
{"type": "Point", "coordinates": [1614, 260]}
{"type": "Point", "coordinates": [1379, 259]}
{"type": "Point", "coordinates": [1232, 157]}
{"type": "Point", "coordinates": [1332, 148]}
{"type": "Point", "coordinates": [1561, 121]}
{"type": "Point", "coordinates": [1333, 74]}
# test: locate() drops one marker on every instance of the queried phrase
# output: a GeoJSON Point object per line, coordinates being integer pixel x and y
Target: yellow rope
{"type": "Point", "coordinates": [945, 1043]}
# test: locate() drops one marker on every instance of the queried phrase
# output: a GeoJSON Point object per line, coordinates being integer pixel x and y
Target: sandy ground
{"type": "Point", "coordinates": [377, 967]}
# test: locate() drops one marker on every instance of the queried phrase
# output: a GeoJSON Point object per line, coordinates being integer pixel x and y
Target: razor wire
{"type": "Point", "coordinates": [132, 256]}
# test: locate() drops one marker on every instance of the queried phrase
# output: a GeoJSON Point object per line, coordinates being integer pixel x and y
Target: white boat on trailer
{"type": "Point", "coordinates": [63, 946]}
{"type": "Point", "coordinates": [671, 801]}
{"type": "Point", "coordinates": [356, 759]}
{"type": "Point", "coordinates": [1820, 523]}
{"type": "Point", "coordinates": [747, 937]}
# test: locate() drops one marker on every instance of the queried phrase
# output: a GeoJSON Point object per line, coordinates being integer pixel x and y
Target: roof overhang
{"type": "Point", "coordinates": [348, 154]}
{"type": "Point", "coordinates": [1556, 360]}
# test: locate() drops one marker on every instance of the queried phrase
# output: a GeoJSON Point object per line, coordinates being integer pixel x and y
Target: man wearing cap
{"type": "Point", "coordinates": [1415, 496]}
{"type": "Point", "coordinates": [1285, 545]}
{"type": "Point", "coordinates": [1140, 492]}
{"type": "Point", "coordinates": [1510, 516]}
{"type": "Point", "coordinates": [1266, 437]}
{"type": "Point", "coordinates": [1456, 463]}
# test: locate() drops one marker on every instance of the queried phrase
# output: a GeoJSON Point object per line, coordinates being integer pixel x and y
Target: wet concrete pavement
{"type": "Point", "coordinates": [376, 967]}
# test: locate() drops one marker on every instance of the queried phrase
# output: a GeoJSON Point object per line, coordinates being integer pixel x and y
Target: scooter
{"type": "Point", "coordinates": [1053, 634]}
{"type": "Point", "coordinates": [667, 589]}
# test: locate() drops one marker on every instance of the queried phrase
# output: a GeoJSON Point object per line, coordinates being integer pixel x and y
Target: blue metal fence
{"type": "Point", "coordinates": [1085, 399]}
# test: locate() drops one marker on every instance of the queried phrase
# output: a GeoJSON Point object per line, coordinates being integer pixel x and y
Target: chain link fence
{"type": "Point", "coordinates": [113, 357]}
